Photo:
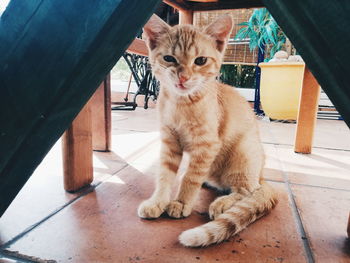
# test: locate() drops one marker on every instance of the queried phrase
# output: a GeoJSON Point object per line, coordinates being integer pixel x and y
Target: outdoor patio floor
{"type": "Point", "coordinates": [100, 223]}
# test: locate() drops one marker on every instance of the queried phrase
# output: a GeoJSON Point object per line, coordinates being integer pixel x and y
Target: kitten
{"type": "Point", "coordinates": [211, 122]}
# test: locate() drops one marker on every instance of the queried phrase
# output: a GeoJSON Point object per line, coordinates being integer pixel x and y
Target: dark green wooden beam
{"type": "Point", "coordinates": [53, 57]}
{"type": "Point", "coordinates": [319, 29]}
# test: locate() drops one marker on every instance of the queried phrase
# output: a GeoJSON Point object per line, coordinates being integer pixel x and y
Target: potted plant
{"type": "Point", "coordinates": [280, 82]}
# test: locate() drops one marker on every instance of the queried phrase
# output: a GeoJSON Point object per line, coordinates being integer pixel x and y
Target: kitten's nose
{"type": "Point", "coordinates": [183, 78]}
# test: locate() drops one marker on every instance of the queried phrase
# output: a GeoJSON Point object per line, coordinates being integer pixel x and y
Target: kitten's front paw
{"type": "Point", "coordinates": [151, 209]}
{"type": "Point", "coordinates": [177, 209]}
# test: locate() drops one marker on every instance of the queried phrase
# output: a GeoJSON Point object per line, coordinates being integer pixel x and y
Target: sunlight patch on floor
{"type": "Point", "coordinates": [115, 179]}
{"type": "Point", "coordinates": [130, 145]}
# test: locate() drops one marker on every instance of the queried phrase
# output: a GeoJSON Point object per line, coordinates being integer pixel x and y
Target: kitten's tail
{"type": "Point", "coordinates": [232, 221]}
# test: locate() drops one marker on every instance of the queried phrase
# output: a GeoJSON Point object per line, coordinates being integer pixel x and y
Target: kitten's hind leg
{"type": "Point", "coordinates": [223, 203]}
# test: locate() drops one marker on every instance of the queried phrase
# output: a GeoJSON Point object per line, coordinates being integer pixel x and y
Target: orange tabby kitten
{"type": "Point", "coordinates": [211, 122]}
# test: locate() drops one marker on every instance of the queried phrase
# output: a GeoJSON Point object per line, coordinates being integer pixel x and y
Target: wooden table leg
{"type": "Point", "coordinates": [77, 152]}
{"type": "Point", "coordinates": [186, 17]}
{"type": "Point", "coordinates": [102, 117]}
{"type": "Point", "coordinates": [307, 115]}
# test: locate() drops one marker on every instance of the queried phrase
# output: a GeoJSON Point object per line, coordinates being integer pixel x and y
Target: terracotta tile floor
{"type": "Point", "coordinates": [100, 224]}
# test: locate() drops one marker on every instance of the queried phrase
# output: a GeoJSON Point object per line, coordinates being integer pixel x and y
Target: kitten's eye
{"type": "Point", "coordinates": [169, 59]}
{"type": "Point", "coordinates": [200, 61]}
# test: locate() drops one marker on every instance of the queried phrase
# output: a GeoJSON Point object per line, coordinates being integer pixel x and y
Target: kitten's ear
{"type": "Point", "coordinates": [220, 30]}
{"type": "Point", "coordinates": [154, 28]}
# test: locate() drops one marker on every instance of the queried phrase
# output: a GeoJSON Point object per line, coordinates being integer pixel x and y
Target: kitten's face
{"type": "Point", "coordinates": [184, 58]}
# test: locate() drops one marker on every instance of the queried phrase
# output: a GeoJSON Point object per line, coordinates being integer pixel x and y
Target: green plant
{"type": "Point", "coordinates": [121, 70]}
{"type": "Point", "coordinates": [240, 76]}
{"type": "Point", "coordinates": [262, 31]}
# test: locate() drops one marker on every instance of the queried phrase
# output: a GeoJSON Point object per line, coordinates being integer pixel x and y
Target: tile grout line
{"type": "Point", "coordinates": [132, 130]}
{"type": "Point", "coordinates": [20, 259]}
{"type": "Point", "coordinates": [321, 187]}
{"type": "Point", "coordinates": [314, 147]}
{"type": "Point", "coordinates": [308, 185]}
{"type": "Point", "coordinates": [300, 226]}
{"type": "Point", "coordinates": [297, 217]}
{"type": "Point", "coordinates": [85, 191]}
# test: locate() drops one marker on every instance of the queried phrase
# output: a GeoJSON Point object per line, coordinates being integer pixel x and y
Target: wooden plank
{"type": "Point", "coordinates": [220, 5]}
{"type": "Point", "coordinates": [307, 114]}
{"type": "Point", "coordinates": [186, 17]}
{"type": "Point", "coordinates": [102, 117]}
{"type": "Point", "coordinates": [180, 5]}
{"type": "Point", "coordinates": [77, 152]}
{"type": "Point", "coordinates": [138, 46]}
{"type": "Point", "coordinates": [207, 5]}
{"type": "Point", "coordinates": [203, 1]}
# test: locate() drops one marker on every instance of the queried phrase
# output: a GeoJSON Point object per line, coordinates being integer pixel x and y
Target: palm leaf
{"type": "Point", "coordinates": [262, 30]}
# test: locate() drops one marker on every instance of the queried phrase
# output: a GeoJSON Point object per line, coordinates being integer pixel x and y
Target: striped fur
{"type": "Point", "coordinates": [211, 122]}
{"type": "Point", "coordinates": [233, 220]}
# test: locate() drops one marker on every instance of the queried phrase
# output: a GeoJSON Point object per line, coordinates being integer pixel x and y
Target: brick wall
{"type": "Point", "coordinates": [235, 52]}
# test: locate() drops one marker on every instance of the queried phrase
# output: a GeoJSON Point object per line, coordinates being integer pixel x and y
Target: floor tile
{"type": "Point", "coordinates": [129, 145]}
{"type": "Point", "coordinates": [106, 164]}
{"type": "Point", "coordinates": [273, 168]}
{"type": "Point", "coordinates": [332, 134]}
{"type": "Point", "coordinates": [326, 168]}
{"type": "Point", "coordinates": [103, 227]}
{"type": "Point", "coordinates": [327, 134]}
{"type": "Point", "coordinates": [43, 194]}
{"type": "Point", "coordinates": [138, 120]}
{"type": "Point", "coordinates": [148, 155]}
{"type": "Point", "coordinates": [265, 132]}
{"type": "Point", "coordinates": [325, 213]}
